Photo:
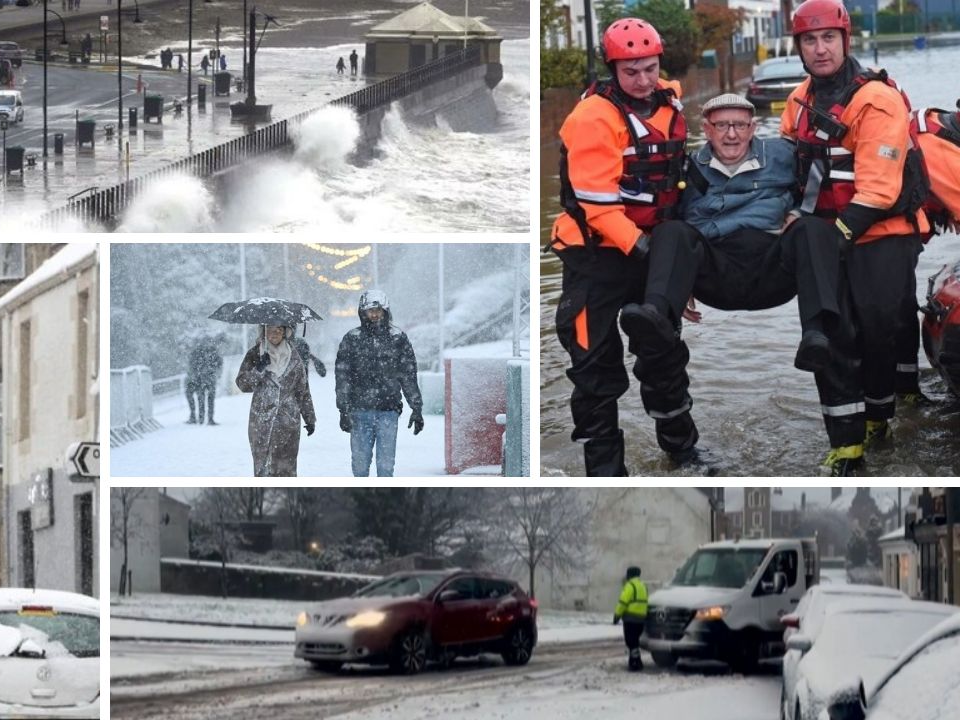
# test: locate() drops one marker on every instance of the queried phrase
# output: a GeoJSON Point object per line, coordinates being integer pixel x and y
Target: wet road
{"type": "Point", "coordinates": [756, 413]}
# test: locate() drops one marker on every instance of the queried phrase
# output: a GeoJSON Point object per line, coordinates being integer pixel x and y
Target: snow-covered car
{"type": "Point", "coordinates": [921, 684]}
{"type": "Point", "coordinates": [808, 619]}
{"type": "Point", "coordinates": [49, 654]}
{"type": "Point", "coordinates": [11, 106]}
{"type": "Point", "coordinates": [407, 619]}
{"type": "Point", "coordinates": [726, 602]}
{"type": "Point", "coordinates": [857, 637]}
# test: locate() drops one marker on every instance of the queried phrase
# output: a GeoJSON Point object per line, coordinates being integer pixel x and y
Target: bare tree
{"type": "Point", "coordinates": [122, 503]}
{"type": "Point", "coordinates": [215, 510]}
{"type": "Point", "coordinates": [531, 525]}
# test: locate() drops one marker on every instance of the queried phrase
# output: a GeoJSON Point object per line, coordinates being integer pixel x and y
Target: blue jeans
{"type": "Point", "coordinates": [373, 427]}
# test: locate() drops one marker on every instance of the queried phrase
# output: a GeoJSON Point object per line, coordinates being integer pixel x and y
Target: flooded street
{"type": "Point", "coordinates": [758, 414]}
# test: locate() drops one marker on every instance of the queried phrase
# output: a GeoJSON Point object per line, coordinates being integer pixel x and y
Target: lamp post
{"type": "Point", "coordinates": [244, 24]}
{"type": "Point", "coordinates": [189, 57]}
{"type": "Point", "coordinates": [119, 70]}
{"type": "Point", "coordinates": [63, 41]}
{"type": "Point", "coordinates": [3, 126]}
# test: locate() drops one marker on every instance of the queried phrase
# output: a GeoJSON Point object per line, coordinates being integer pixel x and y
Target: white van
{"type": "Point", "coordinates": [11, 106]}
{"type": "Point", "coordinates": [726, 602]}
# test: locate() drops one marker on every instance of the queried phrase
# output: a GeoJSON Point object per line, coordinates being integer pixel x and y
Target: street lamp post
{"type": "Point", "coordinates": [119, 70]}
{"type": "Point", "coordinates": [63, 41]}
{"type": "Point", "coordinates": [189, 56]}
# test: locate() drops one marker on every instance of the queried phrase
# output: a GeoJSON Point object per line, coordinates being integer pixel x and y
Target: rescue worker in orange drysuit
{"type": "Point", "coordinates": [858, 172]}
{"type": "Point", "coordinates": [621, 163]}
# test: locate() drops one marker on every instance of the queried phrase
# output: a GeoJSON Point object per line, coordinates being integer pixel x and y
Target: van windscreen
{"type": "Point", "coordinates": [720, 567]}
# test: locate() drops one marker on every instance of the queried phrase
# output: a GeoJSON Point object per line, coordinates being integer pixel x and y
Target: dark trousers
{"type": "Point", "coordinates": [882, 285]}
{"type": "Point", "coordinates": [632, 630]}
{"type": "Point", "coordinates": [597, 283]}
{"type": "Point", "coordinates": [753, 270]}
{"type": "Point", "coordinates": [908, 342]}
{"type": "Point", "coordinates": [201, 391]}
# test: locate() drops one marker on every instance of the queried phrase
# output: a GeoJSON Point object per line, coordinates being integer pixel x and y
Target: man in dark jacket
{"type": "Point", "coordinates": [203, 371]}
{"type": "Point", "coordinates": [375, 363]}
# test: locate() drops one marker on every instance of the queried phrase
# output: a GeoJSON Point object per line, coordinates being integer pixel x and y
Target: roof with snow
{"type": "Point", "coordinates": [897, 534]}
{"type": "Point", "coordinates": [428, 21]}
{"type": "Point", "coordinates": [885, 503]}
{"type": "Point", "coordinates": [734, 501]}
{"type": "Point", "coordinates": [67, 261]}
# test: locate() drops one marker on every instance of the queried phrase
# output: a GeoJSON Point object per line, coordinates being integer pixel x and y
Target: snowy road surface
{"type": "Point", "coordinates": [562, 682]}
{"type": "Point", "coordinates": [181, 450]}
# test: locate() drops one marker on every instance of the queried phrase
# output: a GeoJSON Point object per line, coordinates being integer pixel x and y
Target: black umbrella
{"type": "Point", "coordinates": [265, 311]}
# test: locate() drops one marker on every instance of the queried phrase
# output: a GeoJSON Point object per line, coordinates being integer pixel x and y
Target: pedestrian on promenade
{"type": "Point", "coordinates": [205, 64]}
{"type": "Point", "coordinates": [375, 364]}
{"type": "Point", "coordinates": [340, 66]}
{"type": "Point", "coordinates": [353, 62]}
{"type": "Point", "coordinates": [179, 62]}
{"type": "Point", "coordinates": [273, 372]}
{"type": "Point", "coordinates": [223, 62]}
{"type": "Point", "coordinates": [632, 610]}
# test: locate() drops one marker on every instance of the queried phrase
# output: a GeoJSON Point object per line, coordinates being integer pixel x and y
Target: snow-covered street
{"type": "Point", "coordinates": [578, 670]}
{"type": "Point", "coordinates": [221, 450]}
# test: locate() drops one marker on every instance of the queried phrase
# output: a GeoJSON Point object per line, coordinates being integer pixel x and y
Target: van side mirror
{"type": "Point", "coordinates": [779, 583]}
{"type": "Point", "coordinates": [848, 703]}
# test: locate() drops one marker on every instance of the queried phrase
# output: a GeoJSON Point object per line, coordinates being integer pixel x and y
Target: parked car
{"type": "Point", "coordinates": [410, 618]}
{"type": "Point", "coordinates": [808, 619]}
{"type": "Point", "coordinates": [862, 636]}
{"type": "Point", "coordinates": [920, 685]}
{"type": "Point", "coordinates": [12, 52]}
{"type": "Point", "coordinates": [11, 106]}
{"type": "Point", "coordinates": [725, 603]}
{"type": "Point", "coordinates": [773, 80]}
{"type": "Point", "coordinates": [50, 645]}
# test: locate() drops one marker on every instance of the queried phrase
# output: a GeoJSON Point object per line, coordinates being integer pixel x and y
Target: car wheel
{"type": "Point", "coordinates": [519, 646]}
{"type": "Point", "coordinates": [664, 659]}
{"type": "Point", "coordinates": [327, 666]}
{"type": "Point", "coordinates": [409, 653]}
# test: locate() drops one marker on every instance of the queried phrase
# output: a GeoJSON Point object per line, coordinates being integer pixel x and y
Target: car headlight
{"type": "Point", "coordinates": [369, 619]}
{"type": "Point", "coordinates": [303, 619]}
{"type": "Point", "coordinates": [712, 613]}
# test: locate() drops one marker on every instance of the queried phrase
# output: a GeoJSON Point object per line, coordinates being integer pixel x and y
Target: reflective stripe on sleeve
{"type": "Point", "coordinates": [597, 197]}
{"type": "Point", "coordinates": [841, 175]}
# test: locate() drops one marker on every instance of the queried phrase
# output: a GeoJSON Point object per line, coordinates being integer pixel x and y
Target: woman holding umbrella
{"type": "Point", "coordinates": [273, 371]}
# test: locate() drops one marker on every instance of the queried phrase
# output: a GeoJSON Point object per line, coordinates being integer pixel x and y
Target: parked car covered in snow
{"type": "Point", "coordinates": [810, 610]}
{"type": "Point", "coordinates": [858, 636]}
{"type": "Point", "coordinates": [725, 603]}
{"type": "Point", "coordinates": [410, 618]}
{"type": "Point", "coordinates": [920, 685]}
{"type": "Point", "coordinates": [49, 654]}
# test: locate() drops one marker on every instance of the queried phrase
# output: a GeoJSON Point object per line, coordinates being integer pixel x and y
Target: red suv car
{"type": "Point", "coordinates": [409, 618]}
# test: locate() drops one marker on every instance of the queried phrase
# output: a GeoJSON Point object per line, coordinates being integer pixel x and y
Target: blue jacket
{"type": "Point", "coordinates": [758, 196]}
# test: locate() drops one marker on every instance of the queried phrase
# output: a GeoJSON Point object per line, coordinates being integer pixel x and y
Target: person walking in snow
{"type": "Point", "coordinates": [340, 66]}
{"type": "Point", "coordinates": [375, 363]}
{"type": "Point", "coordinates": [205, 64]}
{"type": "Point", "coordinates": [204, 365]}
{"type": "Point", "coordinates": [353, 62]}
{"type": "Point", "coordinates": [632, 610]}
{"type": "Point", "coordinates": [276, 376]}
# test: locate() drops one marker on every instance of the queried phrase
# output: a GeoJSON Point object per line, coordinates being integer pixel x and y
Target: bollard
{"type": "Point", "coordinates": [58, 144]}
{"type": "Point", "coordinates": [201, 94]}
{"type": "Point", "coordinates": [132, 118]}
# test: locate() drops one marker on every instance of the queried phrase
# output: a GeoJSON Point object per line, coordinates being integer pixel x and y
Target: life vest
{"type": "Point", "coordinates": [652, 163]}
{"type": "Point", "coordinates": [941, 205]}
{"type": "Point", "coordinates": [827, 167]}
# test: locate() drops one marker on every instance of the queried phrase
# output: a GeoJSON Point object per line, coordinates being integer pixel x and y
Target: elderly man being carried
{"type": "Point", "coordinates": [741, 245]}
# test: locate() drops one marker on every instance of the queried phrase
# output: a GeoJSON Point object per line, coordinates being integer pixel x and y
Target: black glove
{"type": "Point", "coordinates": [319, 367]}
{"type": "Point", "coordinates": [310, 427]}
{"type": "Point", "coordinates": [416, 422]}
{"type": "Point", "coordinates": [262, 362]}
{"type": "Point", "coordinates": [642, 247]}
{"type": "Point", "coordinates": [616, 620]}
{"type": "Point", "coordinates": [345, 423]}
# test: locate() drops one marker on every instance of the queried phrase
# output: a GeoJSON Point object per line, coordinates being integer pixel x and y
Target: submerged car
{"type": "Point", "coordinates": [773, 80]}
{"type": "Point", "coordinates": [49, 654]}
{"type": "Point", "coordinates": [11, 106]}
{"type": "Point", "coordinates": [410, 618]}
{"type": "Point", "coordinates": [858, 636]}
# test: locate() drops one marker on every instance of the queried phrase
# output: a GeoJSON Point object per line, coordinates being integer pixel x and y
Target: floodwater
{"type": "Point", "coordinates": [757, 414]}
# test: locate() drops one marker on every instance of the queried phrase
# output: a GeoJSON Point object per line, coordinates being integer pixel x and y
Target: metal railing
{"type": "Point", "coordinates": [109, 202]}
{"type": "Point", "coordinates": [170, 386]}
{"type": "Point", "coordinates": [131, 404]}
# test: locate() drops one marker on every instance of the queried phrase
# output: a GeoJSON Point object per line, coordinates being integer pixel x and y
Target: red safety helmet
{"type": "Point", "coordinates": [630, 39]}
{"type": "Point", "coordinates": [820, 15]}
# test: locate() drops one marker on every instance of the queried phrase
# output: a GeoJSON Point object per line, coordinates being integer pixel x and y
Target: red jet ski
{"type": "Point", "coordinates": [941, 324]}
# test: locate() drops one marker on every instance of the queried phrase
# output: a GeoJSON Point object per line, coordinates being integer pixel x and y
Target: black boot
{"type": "Point", "coordinates": [603, 456]}
{"type": "Point", "coordinates": [192, 420]}
{"type": "Point", "coordinates": [813, 353]}
{"type": "Point", "coordinates": [651, 333]}
{"type": "Point", "coordinates": [635, 663]}
{"type": "Point", "coordinates": [211, 422]}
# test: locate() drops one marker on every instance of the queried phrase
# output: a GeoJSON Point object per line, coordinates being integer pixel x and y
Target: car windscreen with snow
{"type": "Point", "coordinates": [58, 633]}
{"type": "Point", "coordinates": [720, 567]}
{"type": "Point", "coordinates": [401, 586]}
{"type": "Point", "coordinates": [925, 688]}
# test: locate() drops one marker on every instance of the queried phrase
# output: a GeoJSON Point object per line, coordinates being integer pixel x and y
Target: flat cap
{"type": "Point", "coordinates": [727, 100]}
